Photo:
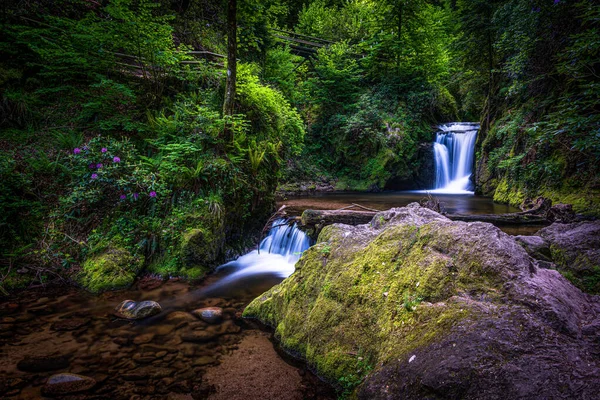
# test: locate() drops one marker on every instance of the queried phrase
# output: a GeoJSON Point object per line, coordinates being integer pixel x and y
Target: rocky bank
{"type": "Point", "coordinates": [416, 306]}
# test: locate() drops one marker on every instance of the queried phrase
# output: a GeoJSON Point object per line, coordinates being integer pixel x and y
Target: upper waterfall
{"type": "Point", "coordinates": [454, 152]}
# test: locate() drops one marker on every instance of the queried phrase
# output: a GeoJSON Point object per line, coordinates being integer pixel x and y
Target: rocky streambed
{"type": "Point", "coordinates": [416, 306]}
{"type": "Point", "coordinates": [68, 344]}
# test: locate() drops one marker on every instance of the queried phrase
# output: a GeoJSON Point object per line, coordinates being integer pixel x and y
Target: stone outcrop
{"type": "Point", "coordinates": [573, 248]}
{"type": "Point", "coordinates": [414, 305]}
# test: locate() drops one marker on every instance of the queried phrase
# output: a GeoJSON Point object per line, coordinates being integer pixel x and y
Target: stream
{"type": "Point", "coordinates": [173, 355]}
{"type": "Point", "coordinates": [67, 330]}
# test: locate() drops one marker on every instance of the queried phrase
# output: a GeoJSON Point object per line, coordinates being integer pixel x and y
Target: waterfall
{"type": "Point", "coordinates": [454, 151]}
{"type": "Point", "coordinates": [278, 254]}
{"type": "Point", "coordinates": [286, 240]}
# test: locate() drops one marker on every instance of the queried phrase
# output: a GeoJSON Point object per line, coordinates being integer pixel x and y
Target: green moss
{"type": "Point", "coordinates": [579, 269]}
{"type": "Point", "coordinates": [345, 299]}
{"type": "Point", "coordinates": [508, 193]}
{"type": "Point", "coordinates": [115, 268]}
{"type": "Point", "coordinates": [195, 251]}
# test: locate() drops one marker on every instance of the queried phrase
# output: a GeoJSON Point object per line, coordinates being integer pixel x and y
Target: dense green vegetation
{"type": "Point", "coordinates": [115, 151]}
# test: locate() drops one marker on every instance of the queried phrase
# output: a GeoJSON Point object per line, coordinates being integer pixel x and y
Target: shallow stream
{"type": "Point", "coordinates": [163, 357]}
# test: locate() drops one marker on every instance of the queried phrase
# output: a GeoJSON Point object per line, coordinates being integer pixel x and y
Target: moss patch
{"type": "Point", "coordinates": [197, 250]}
{"type": "Point", "coordinates": [115, 268]}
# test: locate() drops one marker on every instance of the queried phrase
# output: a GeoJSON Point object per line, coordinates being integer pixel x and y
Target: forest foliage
{"type": "Point", "coordinates": [111, 125]}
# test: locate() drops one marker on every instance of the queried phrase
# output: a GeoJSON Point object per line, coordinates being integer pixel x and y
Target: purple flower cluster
{"type": "Point", "coordinates": [76, 150]}
{"type": "Point", "coordinates": [153, 194]}
{"type": "Point", "coordinates": [94, 176]}
{"type": "Point", "coordinates": [116, 159]}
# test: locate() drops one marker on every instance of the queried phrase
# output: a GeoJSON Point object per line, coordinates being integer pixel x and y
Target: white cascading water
{"type": "Point", "coordinates": [278, 254]}
{"type": "Point", "coordinates": [454, 151]}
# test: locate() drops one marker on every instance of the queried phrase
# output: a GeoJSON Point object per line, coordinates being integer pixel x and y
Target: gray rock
{"type": "Point", "coordinates": [575, 249]}
{"type": "Point", "coordinates": [212, 315]}
{"type": "Point", "coordinates": [63, 384]}
{"type": "Point", "coordinates": [536, 246]}
{"type": "Point", "coordinates": [130, 309]}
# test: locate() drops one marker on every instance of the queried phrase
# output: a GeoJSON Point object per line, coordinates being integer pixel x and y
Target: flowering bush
{"type": "Point", "coordinates": [110, 171]}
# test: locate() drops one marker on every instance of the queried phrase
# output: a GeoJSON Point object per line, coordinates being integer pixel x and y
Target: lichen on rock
{"type": "Point", "coordinates": [463, 302]}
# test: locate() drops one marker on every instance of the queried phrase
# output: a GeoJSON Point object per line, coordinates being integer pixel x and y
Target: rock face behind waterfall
{"type": "Point", "coordinates": [424, 307]}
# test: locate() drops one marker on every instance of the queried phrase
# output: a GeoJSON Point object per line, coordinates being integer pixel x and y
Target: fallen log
{"type": "Point", "coordinates": [501, 219]}
{"type": "Point", "coordinates": [313, 218]}
{"type": "Point", "coordinates": [328, 217]}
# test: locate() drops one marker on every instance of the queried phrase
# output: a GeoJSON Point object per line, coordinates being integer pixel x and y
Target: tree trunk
{"type": "Point", "coordinates": [228, 104]}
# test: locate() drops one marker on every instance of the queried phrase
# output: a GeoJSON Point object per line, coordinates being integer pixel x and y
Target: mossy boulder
{"type": "Point", "coordinates": [415, 306]}
{"type": "Point", "coordinates": [114, 268]}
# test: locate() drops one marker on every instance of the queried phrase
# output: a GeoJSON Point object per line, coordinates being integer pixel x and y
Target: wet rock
{"type": "Point", "coordinates": [10, 385]}
{"type": "Point", "coordinates": [147, 372]}
{"type": "Point", "coordinates": [199, 336]}
{"type": "Point", "coordinates": [143, 338]}
{"type": "Point", "coordinates": [212, 315]}
{"type": "Point", "coordinates": [130, 309]}
{"type": "Point", "coordinates": [180, 316]}
{"type": "Point", "coordinates": [468, 314]}
{"type": "Point", "coordinates": [145, 358]}
{"type": "Point", "coordinates": [63, 384]}
{"type": "Point", "coordinates": [43, 363]}
{"type": "Point", "coordinates": [163, 330]}
{"type": "Point", "coordinates": [70, 324]}
{"type": "Point", "coordinates": [204, 360]}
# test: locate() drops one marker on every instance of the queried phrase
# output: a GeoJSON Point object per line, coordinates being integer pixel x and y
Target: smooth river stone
{"type": "Point", "coordinates": [212, 315]}
{"type": "Point", "coordinates": [130, 309]}
{"type": "Point", "coordinates": [62, 384]}
{"type": "Point", "coordinates": [43, 363]}
{"type": "Point", "coordinates": [199, 336]}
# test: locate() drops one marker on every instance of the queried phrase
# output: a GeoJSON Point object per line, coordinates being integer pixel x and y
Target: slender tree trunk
{"type": "Point", "coordinates": [228, 104]}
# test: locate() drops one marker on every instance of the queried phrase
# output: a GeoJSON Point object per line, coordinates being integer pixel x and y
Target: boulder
{"type": "Point", "coordinates": [414, 306]}
{"type": "Point", "coordinates": [575, 249]}
{"type": "Point", "coordinates": [130, 309]}
{"type": "Point", "coordinates": [63, 384]}
{"type": "Point", "coordinates": [212, 315]}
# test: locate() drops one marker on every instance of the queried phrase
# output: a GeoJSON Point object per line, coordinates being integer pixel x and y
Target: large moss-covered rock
{"type": "Point", "coordinates": [425, 307]}
{"type": "Point", "coordinates": [114, 268]}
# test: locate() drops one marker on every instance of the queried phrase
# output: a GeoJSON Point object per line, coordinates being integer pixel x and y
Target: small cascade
{"type": "Point", "coordinates": [454, 152]}
{"type": "Point", "coordinates": [278, 254]}
{"type": "Point", "coordinates": [286, 240]}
